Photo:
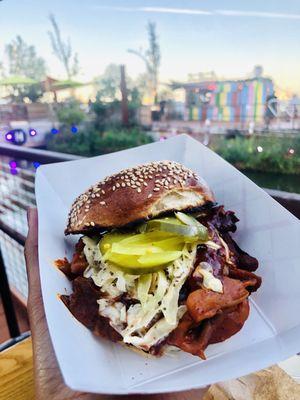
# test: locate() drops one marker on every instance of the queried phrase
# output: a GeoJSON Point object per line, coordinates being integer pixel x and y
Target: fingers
{"type": "Point", "coordinates": [31, 254]}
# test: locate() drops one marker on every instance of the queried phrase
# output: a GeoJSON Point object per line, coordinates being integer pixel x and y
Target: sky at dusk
{"type": "Point", "coordinates": [229, 37]}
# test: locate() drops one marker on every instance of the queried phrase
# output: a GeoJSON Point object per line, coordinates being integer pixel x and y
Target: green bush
{"type": "Point", "coordinates": [92, 143]}
{"type": "Point", "coordinates": [70, 113]}
{"type": "Point", "coordinates": [275, 153]}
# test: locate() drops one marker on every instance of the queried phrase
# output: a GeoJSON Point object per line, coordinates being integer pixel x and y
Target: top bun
{"type": "Point", "coordinates": [137, 194]}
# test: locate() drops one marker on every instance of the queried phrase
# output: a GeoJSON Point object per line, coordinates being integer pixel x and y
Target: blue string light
{"type": "Point", "coordinates": [74, 129]}
{"type": "Point", "coordinates": [36, 164]}
{"type": "Point", "coordinates": [54, 131]}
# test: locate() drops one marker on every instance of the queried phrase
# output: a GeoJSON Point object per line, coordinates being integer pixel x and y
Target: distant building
{"type": "Point", "coordinates": [239, 101]}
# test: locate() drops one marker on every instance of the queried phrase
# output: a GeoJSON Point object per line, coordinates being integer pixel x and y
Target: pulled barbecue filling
{"type": "Point", "coordinates": [199, 298]}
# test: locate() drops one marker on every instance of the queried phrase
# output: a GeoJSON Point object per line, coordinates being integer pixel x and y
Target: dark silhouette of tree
{"type": "Point", "coordinates": [151, 57]}
{"type": "Point", "coordinates": [63, 50]}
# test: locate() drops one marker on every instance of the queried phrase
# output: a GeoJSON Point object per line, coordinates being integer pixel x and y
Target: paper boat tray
{"type": "Point", "coordinates": [266, 230]}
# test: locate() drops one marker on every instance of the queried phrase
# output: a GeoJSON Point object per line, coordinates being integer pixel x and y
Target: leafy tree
{"type": "Point", "coordinates": [63, 49]}
{"type": "Point", "coordinates": [101, 111]}
{"type": "Point", "coordinates": [22, 60]}
{"type": "Point", "coordinates": [151, 57]}
{"type": "Point", "coordinates": [109, 83]}
{"type": "Point", "coordinates": [142, 83]}
{"type": "Point", "coordinates": [108, 96]}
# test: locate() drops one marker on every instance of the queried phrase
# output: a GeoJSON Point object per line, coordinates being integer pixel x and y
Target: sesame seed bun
{"type": "Point", "coordinates": [137, 194]}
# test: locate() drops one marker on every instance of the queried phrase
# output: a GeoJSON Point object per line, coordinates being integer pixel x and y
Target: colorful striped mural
{"type": "Point", "coordinates": [229, 101]}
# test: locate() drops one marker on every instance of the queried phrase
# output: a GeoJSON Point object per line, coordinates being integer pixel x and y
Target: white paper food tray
{"type": "Point", "coordinates": [266, 230]}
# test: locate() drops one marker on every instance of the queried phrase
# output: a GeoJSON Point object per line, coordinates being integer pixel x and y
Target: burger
{"type": "Point", "coordinates": [156, 268]}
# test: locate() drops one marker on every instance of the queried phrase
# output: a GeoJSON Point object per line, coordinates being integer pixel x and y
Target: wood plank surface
{"type": "Point", "coordinates": [16, 372]}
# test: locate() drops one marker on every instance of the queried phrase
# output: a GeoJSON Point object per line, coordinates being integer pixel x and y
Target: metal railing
{"type": "Point", "coordinates": [17, 173]}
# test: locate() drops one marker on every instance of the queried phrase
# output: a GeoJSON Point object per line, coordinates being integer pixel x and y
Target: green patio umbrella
{"type": "Point", "coordinates": [16, 80]}
{"type": "Point", "coordinates": [66, 84]}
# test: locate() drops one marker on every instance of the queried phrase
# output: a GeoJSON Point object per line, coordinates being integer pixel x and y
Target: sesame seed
{"type": "Point", "coordinates": [139, 190]}
{"type": "Point", "coordinates": [145, 183]}
{"type": "Point", "coordinates": [93, 223]}
{"type": "Point", "coordinates": [102, 203]}
{"type": "Point", "coordinates": [102, 191]}
{"type": "Point", "coordinates": [97, 195]}
{"type": "Point", "coordinates": [123, 184]}
{"type": "Point", "coordinates": [93, 196]}
{"type": "Point", "coordinates": [156, 189]}
{"type": "Point", "coordinates": [117, 185]}
{"type": "Point", "coordinates": [114, 188]}
{"type": "Point", "coordinates": [149, 195]}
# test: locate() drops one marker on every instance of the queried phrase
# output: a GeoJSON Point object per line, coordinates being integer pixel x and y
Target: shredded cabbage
{"type": "Point", "coordinates": [156, 312]}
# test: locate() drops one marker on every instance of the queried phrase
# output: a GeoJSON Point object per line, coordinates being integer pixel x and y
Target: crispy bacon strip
{"type": "Point", "coordinates": [183, 338]}
{"type": "Point", "coordinates": [78, 264]}
{"type": "Point", "coordinates": [226, 324]}
{"type": "Point", "coordinates": [195, 339]}
{"type": "Point", "coordinates": [204, 303]}
{"type": "Point", "coordinates": [241, 259]}
{"type": "Point", "coordinates": [65, 267]}
{"type": "Point", "coordinates": [250, 280]}
{"type": "Point", "coordinates": [211, 317]}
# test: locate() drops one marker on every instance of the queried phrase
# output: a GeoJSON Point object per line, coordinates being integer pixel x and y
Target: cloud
{"type": "Point", "coordinates": [259, 14]}
{"type": "Point", "coordinates": [196, 11]}
{"type": "Point", "coordinates": [161, 10]}
{"type": "Point", "coordinates": [189, 11]}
